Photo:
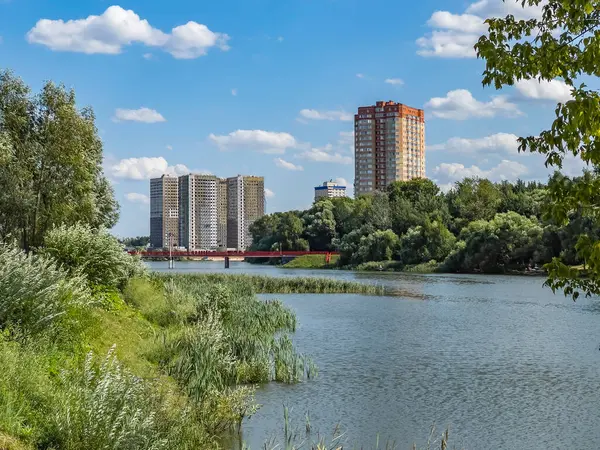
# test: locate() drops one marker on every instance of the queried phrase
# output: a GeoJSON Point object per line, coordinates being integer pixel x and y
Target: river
{"type": "Point", "coordinates": [501, 360]}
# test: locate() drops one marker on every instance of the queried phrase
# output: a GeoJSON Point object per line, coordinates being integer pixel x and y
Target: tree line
{"type": "Point", "coordinates": [478, 226]}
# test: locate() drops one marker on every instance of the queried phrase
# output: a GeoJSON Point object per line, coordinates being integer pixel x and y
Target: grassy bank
{"type": "Point", "coordinates": [312, 262]}
{"type": "Point", "coordinates": [260, 284]}
{"type": "Point", "coordinates": [95, 354]}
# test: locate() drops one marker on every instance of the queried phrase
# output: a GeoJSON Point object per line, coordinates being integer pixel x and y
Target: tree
{"type": "Point", "coordinates": [473, 199]}
{"type": "Point", "coordinates": [421, 244]}
{"type": "Point", "coordinates": [563, 43]}
{"type": "Point", "coordinates": [414, 202]}
{"type": "Point", "coordinates": [51, 173]}
{"type": "Point", "coordinates": [320, 225]}
{"type": "Point", "coordinates": [378, 246]}
{"type": "Point", "coordinates": [343, 213]}
{"type": "Point", "coordinates": [290, 231]}
{"type": "Point", "coordinates": [509, 241]}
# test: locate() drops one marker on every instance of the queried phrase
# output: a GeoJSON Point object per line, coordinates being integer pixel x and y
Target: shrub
{"type": "Point", "coordinates": [36, 295]}
{"type": "Point", "coordinates": [95, 253]}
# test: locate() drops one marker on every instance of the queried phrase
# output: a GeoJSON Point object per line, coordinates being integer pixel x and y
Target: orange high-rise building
{"type": "Point", "coordinates": [389, 145]}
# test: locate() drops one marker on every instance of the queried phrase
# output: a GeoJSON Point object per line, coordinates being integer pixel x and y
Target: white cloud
{"type": "Point", "coordinates": [448, 44]}
{"type": "Point", "coordinates": [461, 105]}
{"type": "Point", "coordinates": [394, 81]}
{"type": "Point", "coordinates": [269, 193]}
{"type": "Point", "coordinates": [454, 35]}
{"type": "Point", "coordinates": [280, 39]}
{"type": "Point", "coordinates": [169, 147]}
{"type": "Point", "coordinates": [341, 181]}
{"type": "Point", "coordinates": [145, 168]}
{"type": "Point", "coordinates": [555, 90]}
{"type": "Point", "coordinates": [116, 28]}
{"type": "Point", "coordinates": [259, 140]}
{"type": "Point", "coordinates": [134, 197]}
{"type": "Point", "coordinates": [497, 8]}
{"type": "Point", "coordinates": [283, 164]}
{"type": "Point", "coordinates": [360, 75]}
{"type": "Point", "coordinates": [148, 56]}
{"type": "Point", "coordinates": [465, 23]}
{"type": "Point", "coordinates": [506, 170]}
{"type": "Point", "coordinates": [234, 92]}
{"type": "Point", "coordinates": [145, 115]}
{"type": "Point", "coordinates": [325, 154]}
{"type": "Point", "coordinates": [496, 143]}
{"type": "Point", "coordinates": [313, 114]}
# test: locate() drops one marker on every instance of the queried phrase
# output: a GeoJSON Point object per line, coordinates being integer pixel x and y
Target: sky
{"type": "Point", "coordinates": [266, 87]}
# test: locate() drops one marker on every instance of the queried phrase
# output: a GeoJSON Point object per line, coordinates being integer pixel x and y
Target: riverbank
{"type": "Point", "coordinates": [166, 359]}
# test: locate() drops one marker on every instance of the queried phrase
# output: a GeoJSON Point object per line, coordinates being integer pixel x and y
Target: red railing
{"type": "Point", "coordinates": [222, 254]}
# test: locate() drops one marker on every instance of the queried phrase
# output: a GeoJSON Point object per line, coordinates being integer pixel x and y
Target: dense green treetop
{"type": "Point", "coordinates": [50, 163]}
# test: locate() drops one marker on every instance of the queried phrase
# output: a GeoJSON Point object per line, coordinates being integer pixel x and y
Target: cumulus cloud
{"type": "Point", "coordinates": [461, 105]}
{"type": "Point", "coordinates": [283, 164]}
{"type": "Point", "coordinates": [555, 90]}
{"type": "Point", "coordinates": [466, 23]}
{"type": "Point", "coordinates": [134, 197]}
{"type": "Point", "coordinates": [313, 114]}
{"type": "Point", "coordinates": [447, 173]}
{"type": "Point", "coordinates": [447, 44]}
{"type": "Point", "coordinates": [394, 81]}
{"type": "Point", "coordinates": [341, 181]}
{"type": "Point", "coordinates": [169, 147]}
{"type": "Point", "coordinates": [117, 28]}
{"type": "Point", "coordinates": [258, 140]}
{"type": "Point", "coordinates": [269, 193]}
{"type": "Point", "coordinates": [325, 154]}
{"type": "Point", "coordinates": [145, 115]}
{"type": "Point", "coordinates": [495, 143]}
{"type": "Point", "coordinates": [234, 92]}
{"type": "Point", "coordinates": [455, 35]}
{"type": "Point", "coordinates": [148, 56]}
{"type": "Point", "coordinates": [145, 168]}
{"type": "Point", "coordinates": [496, 8]}
{"type": "Point", "coordinates": [360, 75]}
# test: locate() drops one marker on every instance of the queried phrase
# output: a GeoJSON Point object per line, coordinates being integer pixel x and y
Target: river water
{"type": "Point", "coordinates": [500, 360]}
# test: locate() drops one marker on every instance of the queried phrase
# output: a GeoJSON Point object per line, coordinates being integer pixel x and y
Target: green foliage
{"type": "Point", "coordinates": [138, 242]}
{"type": "Point", "coordinates": [50, 163]}
{"type": "Point", "coordinates": [95, 253]}
{"type": "Point", "coordinates": [36, 296]}
{"type": "Point", "coordinates": [320, 225]}
{"type": "Point", "coordinates": [562, 43]}
{"type": "Point", "coordinates": [509, 241]}
{"type": "Point", "coordinates": [473, 199]}
{"type": "Point", "coordinates": [378, 246]}
{"type": "Point", "coordinates": [421, 244]}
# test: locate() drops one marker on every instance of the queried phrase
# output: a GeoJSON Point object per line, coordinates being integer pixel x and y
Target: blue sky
{"type": "Point", "coordinates": [270, 87]}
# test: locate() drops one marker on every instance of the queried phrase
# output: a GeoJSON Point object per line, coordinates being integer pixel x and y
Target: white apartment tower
{"type": "Point", "coordinates": [245, 204]}
{"type": "Point", "coordinates": [330, 189]}
{"type": "Point", "coordinates": [199, 212]}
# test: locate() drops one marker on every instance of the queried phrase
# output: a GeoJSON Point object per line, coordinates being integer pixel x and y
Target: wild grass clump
{"type": "Point", "coordinates": [36, 295]}
{"type": "Point", "coordinates": [281, 285]}
{"type": "Point", "coordinates": [96, 253]}
{"type": "Point", "coordinates": [106, 407]}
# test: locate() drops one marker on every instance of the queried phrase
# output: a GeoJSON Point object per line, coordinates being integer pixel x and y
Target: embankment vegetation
{"type": "Point", "coordinates": [96, 353]}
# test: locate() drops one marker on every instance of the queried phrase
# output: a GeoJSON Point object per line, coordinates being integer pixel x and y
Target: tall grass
{"type": "Point", "coordinates": [106, 407]}
{"type": "Point", "coordinates": [36, 296]}
{"type": "Point", "coordinates": [281, 285]}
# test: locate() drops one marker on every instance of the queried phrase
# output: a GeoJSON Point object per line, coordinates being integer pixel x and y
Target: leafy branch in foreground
{"type": "Point", "coordinates": [563, 43]}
